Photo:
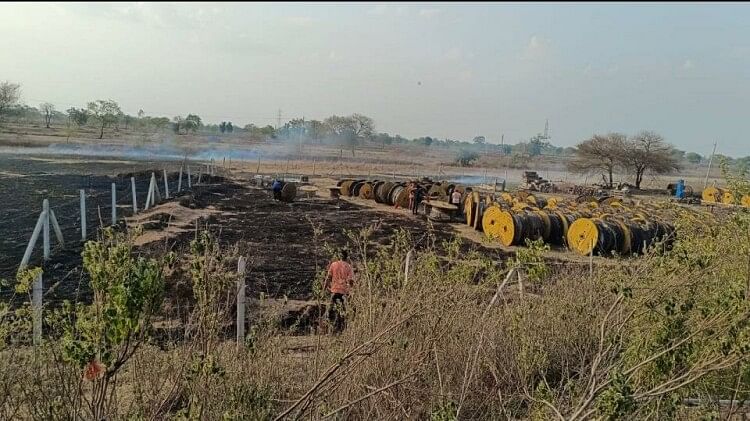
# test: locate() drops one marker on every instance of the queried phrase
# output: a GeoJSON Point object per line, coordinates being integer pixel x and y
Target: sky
{"type": "Point", "coordinates": [447, 70]}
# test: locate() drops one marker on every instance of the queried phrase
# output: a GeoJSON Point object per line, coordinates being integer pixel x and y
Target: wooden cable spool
{"type": "Point", "coordinates": [288, 192]}
{"type": "Point", "coordinates": [346, 187]}
{"type": "Point", "coordinates": [366, 191]}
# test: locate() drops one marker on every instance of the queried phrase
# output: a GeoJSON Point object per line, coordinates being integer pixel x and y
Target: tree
{"type": "Point", "coordinates": [223, 126]}
{"type": "Point", "coordinates": [10, 93]}
{"type": "Point", "coordinates": [466, 157]}
{"type": "Point", "coordinates": [192, 123]}
{"type": "Point", "coordinates": [47, 110]}
{"type": "Point", "coordinates": [128, 120]}
{"type": "Point", "coordinates": [178, 121]}
{"type": "Point", "coordinates": [480, 140]}
{"type": "Point", "coordinates": [647, 151]}
{"type": "Point", "coordinates": [230, 127]}
{"type": "Point", "coordinates": [364, 127]}
{"type": "Point", "coordinates": [105, 112]}
{"type": "Point", "coordinates": [316, 130]}
{"type": "Point", "coordinates": [693, 158]}
{"type": "Point", "coordinates": [599, 153]}
{"type": "Point", "coordinates": [79, 116]}
{"type": "Point", "coordinates": [537, 144]}
{"type": "Point", "coordinates": [159, 123]}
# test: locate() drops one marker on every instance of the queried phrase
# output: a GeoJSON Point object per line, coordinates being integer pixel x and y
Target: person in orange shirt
{"type": "Point", "coordinates": [339, 281]}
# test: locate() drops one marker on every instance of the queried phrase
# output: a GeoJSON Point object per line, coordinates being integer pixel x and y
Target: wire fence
{"type": "Point", "coordinates": [23, 206]}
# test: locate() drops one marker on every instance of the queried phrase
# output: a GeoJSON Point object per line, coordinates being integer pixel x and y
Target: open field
{"type": "Point", "coordinates": [462, 315]}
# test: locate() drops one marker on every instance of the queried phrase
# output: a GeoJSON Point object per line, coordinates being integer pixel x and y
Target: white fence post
{"type": "Point", "coordinates": [166, 185]}
{"type": "Point", "coordinates": [83, 215]}
{"type": "Point", "coordinates": [36, 303]}
{"type": "Point", "coordinates": [32, 242]}
{"type": "Point", "coordinates": [157, 192]}
{"type": "Point", "coordinates": [135, 199]}
{"type": "Point", "coordinates": [200, 174]}
{"type": "Point", "coordinates": [150, 194]}
{"type": "Point", "coordinates": [190, 182]}
{"type": "Point", "coordinates": [56, 226]}
{"type": "Point", "coordinates": [114, 204]}
{"type": "Point", "coordinates": [45, 233]}
{"type": "Point", "coordinates": [179, 181]}
{"type": "Point", "coordinates": [241, 264]}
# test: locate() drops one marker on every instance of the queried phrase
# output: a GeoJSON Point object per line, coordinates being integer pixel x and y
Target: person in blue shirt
{"type": "Point", "coordinates": [276, 187]}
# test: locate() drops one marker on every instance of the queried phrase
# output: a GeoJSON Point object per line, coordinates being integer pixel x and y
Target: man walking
{"type": "Point", "coordinates": [339, 281]}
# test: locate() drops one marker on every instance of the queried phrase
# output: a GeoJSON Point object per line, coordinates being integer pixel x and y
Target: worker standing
{"type": "Point", "coordinates": [412, 196]}
{"type": "Point", "coordinates": [338, 282]}
{"type": "Point", "coordinates": [419, 194]}
{"type": "Point", "coordinates": [456, 198]}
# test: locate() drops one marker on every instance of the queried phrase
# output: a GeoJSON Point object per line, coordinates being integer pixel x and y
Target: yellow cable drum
{"type": "Point", "coordinates": [712, 194]}
{"type": "Point", "coordinates": [727, 197]}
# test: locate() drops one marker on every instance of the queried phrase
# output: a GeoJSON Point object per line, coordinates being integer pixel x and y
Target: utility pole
{"type": "Point", "coordinates": [710, 161]}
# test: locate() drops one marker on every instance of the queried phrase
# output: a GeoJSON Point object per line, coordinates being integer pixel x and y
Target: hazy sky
{"type": "Point", "coordinates": [445, 70]}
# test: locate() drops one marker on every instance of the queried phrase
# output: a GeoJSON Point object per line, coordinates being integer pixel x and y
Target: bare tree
{"type": "Point", "coordinates": [364, 127]}
{"type": "Point", "coordinates": [105, 112]}
{"type": "Point", "coordinates": [600, 153]}
{"type": "Point", "coordinates": [10, 93]}
{"type": "Point", "coordinates": [47, 110]}
{"type": "Point", "coordinates": [647, 151]}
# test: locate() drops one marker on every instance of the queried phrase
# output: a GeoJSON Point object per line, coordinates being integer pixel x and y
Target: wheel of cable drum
{"type": "Point", "coordinates": [345, 186]}
{"type": "Point", "coordinates": [583, 235]}
{"type": "Point", "coordinates": [477, 210]}
{"type": "Point", "coordinates": [552, 203]}
{"type": "Point", "coordinates": [727, 197]}
{"type": "Point", "coordinates": [546, 230]}
{"type": "Point", "coordinates": [356, 188]}
{"type": "Point", "coordinates": [376, 186]}
{"type": "Point", "coordinates": [507, 231]}
{"type": "Point", "coordinates": [288, 192]}
{"type": "Point", "coordinates": [365, 191]}
{"type": "Point", "coordinates": [402, 197]}
{"type": "Point", "coordinates": [626, 244]}
{"type": "Point", "coordinates": [530, 199]}
{"type": "Point", "coordinates": [382, 193]}
{"type": "Point", "coordinates": [745, 201]}
{"type": "Point", "coordinates": [564, 223]}
{"type": "Point", "coordinates": [507, 197]}
{"type": "Point", "coordinates": [610, 201]}
{"type": "Point", "coordinates": [711, 194]}
{"type": "Point", "coordinates": [392, 194]}
{"type": "Point", "coordinates": [490, 224]}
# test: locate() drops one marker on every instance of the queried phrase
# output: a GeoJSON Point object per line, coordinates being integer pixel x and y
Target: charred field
{"type": "Point", "coordinates": [277, 238]}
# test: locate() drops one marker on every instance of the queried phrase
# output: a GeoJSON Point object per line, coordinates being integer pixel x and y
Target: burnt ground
{"type": "Point", "coordinates": [276, 237]}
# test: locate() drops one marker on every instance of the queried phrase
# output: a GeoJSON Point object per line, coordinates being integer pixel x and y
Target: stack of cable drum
{"type": "Point", "coordinates": [724, 196]}
{"type": "Point", "coordinates": [604, 226]}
